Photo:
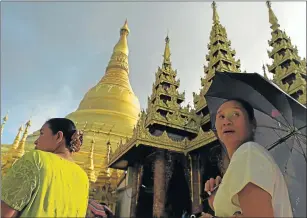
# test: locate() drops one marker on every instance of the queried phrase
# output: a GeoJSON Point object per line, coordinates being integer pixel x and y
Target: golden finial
{"type": "Point", "coordinates": [109, 148]}
{"type": "Point", "coordinates": [272, 18]}
{"type": "Point", "coordinates": [125, 27]}
{"type": "Point", "coordinates": [91, 168]}
{"type": "Point", "coordinates": [167, 51]}
{"type": "Point", "coordinates": [216, 18]}
{"type": "Point", "coordinates": [20, 150]}
{"type": "Point", "coordinates": [120, 48]}
{"type": "Point", "coordinates": [5, 118]}
{"type": "Point", "coordinates": [264, 72]}
{"type": "Point", "coordinates": [17, 138]}
{"type": "Point", "coordinates": [84, 126]}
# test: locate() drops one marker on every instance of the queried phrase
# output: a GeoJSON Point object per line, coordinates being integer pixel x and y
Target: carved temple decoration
{"type": "Point", "coordinates": [221, 58]}
{"type": "Point", "coordinates": [164, 104]}
{"type": "Point", "coordinates": [288, 68]}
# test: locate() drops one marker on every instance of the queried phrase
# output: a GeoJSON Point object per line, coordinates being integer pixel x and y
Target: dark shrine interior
{"type": "Point", "coordinates": [178, 195]}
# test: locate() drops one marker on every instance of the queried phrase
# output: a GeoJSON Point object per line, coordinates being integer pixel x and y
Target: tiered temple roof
{"type": "Point", "coordinates": [288, 68]}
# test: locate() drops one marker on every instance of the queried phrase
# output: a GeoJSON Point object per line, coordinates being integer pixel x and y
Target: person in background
{"type": "Point", "coordinates": [46, 182]}
{"type": "Point", "coordinates": [253, 185]}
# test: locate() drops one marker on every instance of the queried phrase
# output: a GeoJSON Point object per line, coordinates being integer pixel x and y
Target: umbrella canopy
{"type": "Point", "coordinates": [281, 125]}
{"type": "Point", "coordinates": [99, 209]}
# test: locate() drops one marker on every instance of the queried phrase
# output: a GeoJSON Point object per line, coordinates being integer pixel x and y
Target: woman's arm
{"type": "Point", "coordinates": [255, 202]}
{"type": "Point", "coordinates": [18, 185]}
{"type": "Point", "coordinates": [7, 211]}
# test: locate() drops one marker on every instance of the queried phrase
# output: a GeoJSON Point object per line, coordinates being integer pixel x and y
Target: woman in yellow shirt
{"type": "Point", "coordinates": [46, 182]}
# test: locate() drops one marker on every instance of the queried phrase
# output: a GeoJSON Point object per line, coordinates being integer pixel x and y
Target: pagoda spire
{"type": "Point", "coordinates": [17, 139]}
{"type": "Point", "coordinates": [272, 17]}
{"type": "Point", "coordinates": [119, 58]}
{"type": "Point", "coordinates": [215, 18]}
{"type": "Point", "coordinates": [104, 175]}
{"type": "Point", "coordinates": [264, 72]}
{"type": "Point", "coordinates": [221, 58]}
{"type": "Point", "coordinates": [164, 104]}
{"type": "Point", "coordinates": [20, 150]}
{"type": "Point", "coordinates": [8, 158]}
{"type": "Point", "coordinates": [167, 52]}
{"type": "Point", "coordinates": [288, 69]}
{"type": "Point", "coordinates": [91, 169]}
{"type": "Point", "coordinates": [5, 119]}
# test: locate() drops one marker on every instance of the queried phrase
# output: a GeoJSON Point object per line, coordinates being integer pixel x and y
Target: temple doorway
{"type": "Point", "coordinates": [145, 201]}
{"type": "Point", "coordinates": [178, 197]}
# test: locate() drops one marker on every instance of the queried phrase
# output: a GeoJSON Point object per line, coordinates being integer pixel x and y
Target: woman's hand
{"type": "Point", "coordinates": [211, 184]}
{"type": "Point", "coordinates": [209, 188]}
{"type": "Point", "coordinates": [206, 215]}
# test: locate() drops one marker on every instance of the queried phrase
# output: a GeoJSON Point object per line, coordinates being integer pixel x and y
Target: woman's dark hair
{"type": "Point", "coordinates": [249, 109]}
{"type": "Point", "coordinates": [64, 125]}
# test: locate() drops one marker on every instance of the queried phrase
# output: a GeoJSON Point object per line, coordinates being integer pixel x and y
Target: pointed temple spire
{"type": "Point", "coordinates": [119, 58]}
{"type": "Point", "coordinates": [264, 72]}
{"type": "Point", "coordinates": [116, 78]}
{"type": "Point", "coordinates": [164, 104]}
{"type": "Point", "coordinates": [288, 69]}
{"type": "Point", "coordinates": [215, 18]}
{"type": "Point", "coordinates": [8, 158]}
{"type": "Point", "coordinates": [20, 150]}
{"type": "Point", "coordinates": [122, 45]}
{"type": "Point", "coordinates": [104, 175]}
{"type": "Point", "coordinates": [17, 138]}
{"type": "Point", "coordinates": [16, 151]}
{"type": "Point", "coordinates": [272, 18]}
{"type": "Point", "coordinates": [5, 118]}
{"type": "Point", "coordinates": [220, 58]}
{"type": "Point", "coordinates": [167, 52]}
{"type": "Point", "coordinates": [91, 169]}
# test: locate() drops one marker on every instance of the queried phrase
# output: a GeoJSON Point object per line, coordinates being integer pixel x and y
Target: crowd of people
{"type": "Point", "coordinates": [46, 182]}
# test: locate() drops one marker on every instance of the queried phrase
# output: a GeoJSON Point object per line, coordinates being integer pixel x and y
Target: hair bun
{"type": "Point", "coordinates": [76, 141]}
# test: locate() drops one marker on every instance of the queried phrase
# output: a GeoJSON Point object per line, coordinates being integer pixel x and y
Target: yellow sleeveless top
{"type": "Point", "coordinates": [42, 184]}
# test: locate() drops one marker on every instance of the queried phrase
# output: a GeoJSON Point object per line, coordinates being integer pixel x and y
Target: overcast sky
{"type": "Point", "coordinates": [53, 52]}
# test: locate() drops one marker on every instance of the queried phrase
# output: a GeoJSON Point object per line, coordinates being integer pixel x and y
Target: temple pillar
{"type": "Point", "coordinates": [159, 185]}
{"type": "Point", "coordinates": [134, 184]}
{"type": "Point", "coordinates": [196, 182]}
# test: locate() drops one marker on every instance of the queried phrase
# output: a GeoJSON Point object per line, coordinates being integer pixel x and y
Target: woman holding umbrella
{"type": "Point", "coordinates": [253, 185]}
{"type": "Point", "coordinates": [262, 129]}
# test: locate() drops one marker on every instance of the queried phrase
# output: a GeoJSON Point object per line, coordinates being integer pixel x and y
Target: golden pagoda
{"type": "Point", "coordinates": [288, 68]}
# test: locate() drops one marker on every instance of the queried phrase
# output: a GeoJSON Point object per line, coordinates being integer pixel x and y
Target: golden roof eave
{"type": "Point", "coordinates": [143, 137]}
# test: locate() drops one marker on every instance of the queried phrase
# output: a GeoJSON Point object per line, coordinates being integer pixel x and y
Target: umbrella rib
{"type": "Point", "coordinates": [300, 145]}
{"type": "Point", "coordinates": [269, 127]}
{"type": "Point", "coordinates": [283, 139]}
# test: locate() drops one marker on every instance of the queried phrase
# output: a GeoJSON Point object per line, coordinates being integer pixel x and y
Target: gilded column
{"type": "Point", "coordinates": [135, 170]}
{"type": "Point", "coordinates": [196, 182]}
{"type": "Point", "coordinates": [159, 185]}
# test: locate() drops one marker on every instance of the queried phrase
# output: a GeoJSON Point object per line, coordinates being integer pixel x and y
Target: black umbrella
{"type": "Point", "coordinates": [281, 125]}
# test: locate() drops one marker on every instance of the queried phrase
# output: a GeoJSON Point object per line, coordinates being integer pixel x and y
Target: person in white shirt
{"type": "Point", "coordinates": [253, 185]}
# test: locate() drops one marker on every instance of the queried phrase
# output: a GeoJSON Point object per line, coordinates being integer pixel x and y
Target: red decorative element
{"type": "Point", "coordinates": [98, 209]}
{"type": "Point", "coordinates": [275, 113]}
